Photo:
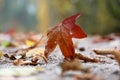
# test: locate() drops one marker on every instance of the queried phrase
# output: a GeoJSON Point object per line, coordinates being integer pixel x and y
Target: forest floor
{"type": "Point", "coordinates": [16, 59]}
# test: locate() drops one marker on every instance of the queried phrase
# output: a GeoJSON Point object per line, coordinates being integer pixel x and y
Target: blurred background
{"type": "Point", "coordinates": [97, 16]}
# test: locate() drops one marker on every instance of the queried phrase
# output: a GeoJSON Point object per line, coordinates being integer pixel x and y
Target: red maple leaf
{"type": "Point", "coordinates": [62, 35]}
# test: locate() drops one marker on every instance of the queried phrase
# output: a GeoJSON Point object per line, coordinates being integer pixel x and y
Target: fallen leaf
{"type": "Point", "coordinates": [22, 62]}
{"type": "Point", "coordinates": [87, 76]}
{"type": "Point", "coordinates": [36, 54]}
{"type": "Point", "coordinates": [29, 43]}
{"type": "Point", "coordinates": [114, 52]}
{"type": "Point", "coordinates": [5, 44]}
{"type": "Point", "coordinates": [84, 58]}
{"type": "Point", "coordinates": [18, 62]}
{"type": "Point", "coordinates": [99, 39]}
{"type": "Point", "coordinates": [75, 65]}
{"type": "Point", "coordinates": [1, 54]}
{"type": "Point", "coordinates": [6, 56]}
{"type": "Point", "coordinates": [12, 57]}
{"type": "Point", "coordinates": [62, 35]}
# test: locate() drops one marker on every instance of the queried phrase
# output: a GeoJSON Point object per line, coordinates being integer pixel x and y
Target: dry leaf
{"type": "Point", "coordinates": [18, 62]}
{"type": "Point", "coordinates": [99, 39]}
{"type": "Point", "coordinates": [22, 62]}
{"type": "Point", "coordinates": [84, 58]}
{"type": "Point", "coordinates": [29, 43]}
{"type": "Point", "coordinates": [36, 54]}
{"type": "Point", "coordinates": [1, 54]}
{"type": "Point", "coordinates": [12, 57]}
{"type": "Point", "coordinates": [87, 76]}
{"type": "Point", "coordinates": [6, 56]}
{"type": "Point", "coordinates": [114, 52]}
{"type": "Point", "coordinates": [75, 64]}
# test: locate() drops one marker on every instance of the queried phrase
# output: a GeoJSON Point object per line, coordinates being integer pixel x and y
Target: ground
{"type": "Point", "coordinates": [106, 69]}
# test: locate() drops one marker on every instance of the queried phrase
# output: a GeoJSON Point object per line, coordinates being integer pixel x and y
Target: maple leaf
{"type": "Point", "coordinates": [62, 35]}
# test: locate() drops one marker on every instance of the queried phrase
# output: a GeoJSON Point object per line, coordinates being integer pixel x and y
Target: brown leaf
{"type": "Point", "coordinates": [84, 58]}
{"type": "Point", "coordinates": [22, 62]}
{"type": "Point", "coordinates": [75, 65]}
{"type": "Point", "coordinates": [36, 54]}
{"type": "Point", "coordinates": [114, 52]}
{"type": "Point", "coordinates": [87, 76]}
